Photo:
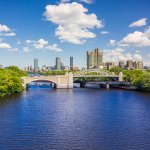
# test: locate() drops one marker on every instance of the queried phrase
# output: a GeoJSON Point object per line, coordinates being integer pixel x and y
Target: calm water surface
{"type": "Point", "coordinates": [75, 119]}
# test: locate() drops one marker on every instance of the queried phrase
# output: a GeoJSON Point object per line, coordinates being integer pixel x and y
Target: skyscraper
{"type": "Point", "coordinates": [138, 64]}
{"type": "Point", "coordinates": [36, 67]}
{"type": "Point", "coordinates": [129, 64]}
{"type": "Point", "coordinates": [71, 63]}
{"type": "Point", "coordinates": [58, 63]}
{"type": "Point", "coordinates": [121, 64]}
{"type": "Point", "coordinates": [94, 59]}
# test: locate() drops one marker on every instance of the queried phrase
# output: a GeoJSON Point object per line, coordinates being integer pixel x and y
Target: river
{"type": "Point", "coordinates": [75, 119]}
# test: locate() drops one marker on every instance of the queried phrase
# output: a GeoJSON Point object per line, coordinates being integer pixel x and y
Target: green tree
{"type": "Point", "coordinates": [10, 81]}
{"type": "Point", "coordinates": [116, 69]}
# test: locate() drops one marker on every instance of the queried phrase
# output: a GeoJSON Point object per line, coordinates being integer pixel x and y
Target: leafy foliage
{"type": "Point", "coordinates": [116, 69]}
{"type": "Point", "coordinates": [10, 81]}
{"type": "Point", "coordinates": [139, 78]}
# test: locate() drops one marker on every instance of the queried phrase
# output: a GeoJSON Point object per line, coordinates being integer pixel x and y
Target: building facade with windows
{"type": "Point", "coordinates": [94, 59]}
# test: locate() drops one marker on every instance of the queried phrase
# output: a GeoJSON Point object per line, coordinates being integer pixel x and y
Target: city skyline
{"type": "Point", "coordinates": [33, 31]}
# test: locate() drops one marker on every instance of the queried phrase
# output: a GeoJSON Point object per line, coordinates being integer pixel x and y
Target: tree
{"type": "Point", "coordinates": [10, 81]}
{"type": "Point", "coordinates": [116, 69]}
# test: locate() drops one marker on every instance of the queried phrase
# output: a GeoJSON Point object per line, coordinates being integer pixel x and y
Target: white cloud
{"type": "Point", "coordinates": [6, 31]}
{"type": "Point", "coordinates": [112, 43]}
{"type": "Point", "coordinates": [118, 54]}
{"type": "Point", "coordinates": [29, 41]}
{"type": "Point", "coordinates": [104, 32]}
{"type": "Point", "coordinates": [136, 39]}
{"type": "Point", "coordinates": [53, 47]}
{"type": "Point", "coordinates": [41, 44]}
{"type": "Point", "coordinates": [10, 34]}
{"type": "Point", "coordinates": [64, 1]}
{"type": "Point", "coordinates": [149, 55]}
{"type": "Point", "coordinates": [25, 49]}
{"type": "Point", "coordinates": [4, 28]}
{"type": "Point", "coordinates": [85, 1]}
{"type": "Point", "coordinates": [139, 23]}
{"type": "Point", "coordinates": [5, 46]}
{"type": "Point", "coordinates": [74, 24]}
{"type": "Point", "coordinates": [38, 44]}
{"type": "Point", "coordinates": [137, 57]}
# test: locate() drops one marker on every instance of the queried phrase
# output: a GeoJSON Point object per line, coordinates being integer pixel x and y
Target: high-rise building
{"type": "Point", "coordinates": [121, 64]}
{"type": "Point", "coordinates": [138, 65]}
{"type": "Point", "coordinates": [71, 63]}
{"type": "Point", "coordinates": [130, 64]}
{"type": "Point", "coordinates": [94, 59]}
{"type": "Point", "coordinates": [36, 67]}
{"type": "Point", "coordinates": [58, 63]}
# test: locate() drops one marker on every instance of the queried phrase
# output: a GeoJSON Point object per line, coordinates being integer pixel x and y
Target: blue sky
{"type": "Point", "coordinates": [46, 29]}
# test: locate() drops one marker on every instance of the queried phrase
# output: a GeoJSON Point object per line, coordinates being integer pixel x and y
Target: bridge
{"type": "Point", "coordinates": [66, 81]}
{"type": "Point", "coordinates": [98, 74]}
{"type": "Point", "coordinates": [95, 73]}
{"type": "Point", "coordinates": [60, 81]}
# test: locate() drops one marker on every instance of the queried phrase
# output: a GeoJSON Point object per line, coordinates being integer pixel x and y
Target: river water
{"type": "Point", "coordinates": [75, 119]}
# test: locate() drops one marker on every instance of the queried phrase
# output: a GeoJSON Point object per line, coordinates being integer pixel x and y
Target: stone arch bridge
{"type": "Point", "coordinates": [60, 81]}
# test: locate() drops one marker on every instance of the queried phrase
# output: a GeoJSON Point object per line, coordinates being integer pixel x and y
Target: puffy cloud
{"type": "Point", "coordinates": [118, 54]}
{"type": "Point", "coordinates": [136, 39]}
{"type": "Point", "coordinates": [4, 28]}
{"type": "Point", "coordinates": [53, 47]}
{"type": "Point", "coordinates": [149, 55]}
{"type": "Point", "coordinates": [104, 32]}
{"type": "Point", "coordinates": [38, 44]}
{"type": "Point", "coordinates": [112, 43]}
{"type": "Point", "coordinates": [139, 23]}
{"type": "Point", "coordinates": [41, 44]}
{"type": "Point", "coordinates": [5, 46]}
{"type": "Point", "coordinates": [6, 31]}
{"type": "Point", "coordinates": [74, 24]}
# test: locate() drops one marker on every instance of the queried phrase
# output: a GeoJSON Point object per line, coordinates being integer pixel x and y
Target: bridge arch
{"type": "Point", "coordinates": [60, 81]}
{"type": "Point", "coordinates": [43, 80]}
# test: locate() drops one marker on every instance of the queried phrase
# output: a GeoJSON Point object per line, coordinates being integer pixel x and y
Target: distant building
{"type": "Point", "coordinates": [121, 64]}
{"type": "Point", "coordinates": [138, 65]}
{"type": "Point", "coordinates": [130, 64]}
{"type": "Point", "coordinates": [66, 67]}
{"type": "Point", "coordinates": [94, 59]}
{"type": "Point", "coordinates": [36, 67]}
{"type": "Point", "coordinates": [58, 63]}
{"type": "Point", "coordinates": [71, 63]}
{"type": "Point", "coordinates": [44, 68]}
{"type": "Point", "coordinates": [75, 68]}
{"type": "Point", "coordinates": [108, 65]}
